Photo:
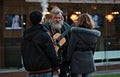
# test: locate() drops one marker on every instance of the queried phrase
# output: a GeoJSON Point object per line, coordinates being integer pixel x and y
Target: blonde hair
{"type": "Point", "coordinates": [85, 20]}
{"type": "Point", "coordinates": [56, 10]}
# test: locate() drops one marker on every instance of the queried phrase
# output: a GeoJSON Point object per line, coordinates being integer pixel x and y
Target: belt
{"type": "Point", "coordinates": [41, 71]}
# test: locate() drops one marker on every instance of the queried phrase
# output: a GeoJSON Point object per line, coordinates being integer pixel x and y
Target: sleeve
{"type": "Point", "coordinates": [71, 47]}
{"type": "Point", "coordinates": [50, 51]}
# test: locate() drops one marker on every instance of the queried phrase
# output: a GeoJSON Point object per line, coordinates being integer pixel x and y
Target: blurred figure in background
{"type": "Point", "coordinates": [16, 22]}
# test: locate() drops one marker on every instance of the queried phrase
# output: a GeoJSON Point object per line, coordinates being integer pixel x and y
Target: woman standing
{"type": "Point", "coordinates": [82, 46]}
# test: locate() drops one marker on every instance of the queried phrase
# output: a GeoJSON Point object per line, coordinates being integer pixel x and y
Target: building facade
{"type": "Point", "coordinates": [108, 48]}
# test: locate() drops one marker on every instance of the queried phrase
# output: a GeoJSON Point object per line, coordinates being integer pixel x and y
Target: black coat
{"type": "Point", "coordinates": [80, 49]}
{"type": "Point", "coordinates": [41, 55]}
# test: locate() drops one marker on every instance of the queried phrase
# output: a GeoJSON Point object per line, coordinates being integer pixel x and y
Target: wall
{"type": "Point", "coordinates": [1, 35]}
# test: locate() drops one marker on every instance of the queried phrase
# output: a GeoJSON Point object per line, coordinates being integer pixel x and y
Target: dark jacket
{"type": "Point", "coordinates": [80, 49]}
{"type": "Point", "coordinates": [40, 54]}
{"type": "Point", "coordinates": [65, 26]}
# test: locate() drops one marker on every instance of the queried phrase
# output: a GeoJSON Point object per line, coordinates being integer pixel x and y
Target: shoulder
{"type": "Point", "coordinates": [66, 25]}
{"type": "Point", "coordinates": [47, 24]}
{"type": "Point", "coordinates": [85, 31]}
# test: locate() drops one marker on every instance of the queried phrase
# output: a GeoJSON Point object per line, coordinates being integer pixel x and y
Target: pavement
{"type": "Point", "coordinates": [117, 71]}
{"type": "Point", "coordinates": [22, 73]}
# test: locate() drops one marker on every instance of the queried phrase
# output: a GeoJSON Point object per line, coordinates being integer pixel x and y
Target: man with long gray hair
{"type": "Point", "coordinates": [56, 25]}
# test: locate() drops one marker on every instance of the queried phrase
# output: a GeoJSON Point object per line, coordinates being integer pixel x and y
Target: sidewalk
{"type": "Point", "coordinates": [117, 71]}
{"type": "Point", "coordinates": [23, 73]}
{"type": "Point", "coordinates": [103, 72]}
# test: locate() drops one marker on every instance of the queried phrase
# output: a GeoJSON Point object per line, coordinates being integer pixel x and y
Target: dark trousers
{"type": "Point", "coordinates": [64, 69]}
{"type": "Point", "coordinates": [80, 75]}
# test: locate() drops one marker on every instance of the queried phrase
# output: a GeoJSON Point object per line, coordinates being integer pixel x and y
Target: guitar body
{"type": "Point", "coordinates": [61, 42]}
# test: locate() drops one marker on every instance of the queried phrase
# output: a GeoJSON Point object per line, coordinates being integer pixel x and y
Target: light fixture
{"type": "Point", "coordinates": [74, 17]}
{"type": "Point", "coordinates": [77, 12]}
{"type": "Point", "coordinates": [94, 7]}
{"type": "Point", "coordinates": [115, 9]}
{"type": "Point", "coordinates": [115, 12]}
{"type": "Point", "coordinates": [45, 13]}
{"type": "Point", "coordinates": [24, 23]}
{"type": "Point", "coordinates": [109, 17]}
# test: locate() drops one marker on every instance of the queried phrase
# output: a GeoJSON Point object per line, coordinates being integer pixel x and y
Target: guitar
{"type": "Point", "coordinates": [59, 39]}
{"type": "Point", "coordinates": [59, 43]}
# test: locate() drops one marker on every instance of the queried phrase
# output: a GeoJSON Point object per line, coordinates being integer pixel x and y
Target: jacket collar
{"type": "Point", "coordinates": [85, 30]}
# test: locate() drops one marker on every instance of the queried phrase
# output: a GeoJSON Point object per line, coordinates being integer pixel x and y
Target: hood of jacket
{"type": "Point", "coordinates": [88, 35]}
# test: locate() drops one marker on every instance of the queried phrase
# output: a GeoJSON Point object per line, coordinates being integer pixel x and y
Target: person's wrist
{"type": "Point", "coordinates": [57, 68]}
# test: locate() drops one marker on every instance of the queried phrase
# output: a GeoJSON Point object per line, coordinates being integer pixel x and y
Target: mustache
{"type": "Point", "coordinates": [57, 25]}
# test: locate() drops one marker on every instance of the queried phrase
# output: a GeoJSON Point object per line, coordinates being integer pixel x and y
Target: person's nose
{"type": "Point", "coordinates": [57, 19]}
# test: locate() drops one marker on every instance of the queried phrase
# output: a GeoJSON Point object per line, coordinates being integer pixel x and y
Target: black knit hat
{"type": "Point", "coordinates": [35, 17]}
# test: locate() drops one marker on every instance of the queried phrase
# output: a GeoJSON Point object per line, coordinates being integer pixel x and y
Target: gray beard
{"type": "Point", "coordinates": [56, 26]}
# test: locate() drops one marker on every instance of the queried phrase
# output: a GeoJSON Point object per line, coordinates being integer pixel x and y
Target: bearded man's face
{"type": "Point", "coordinates": [57, 21]}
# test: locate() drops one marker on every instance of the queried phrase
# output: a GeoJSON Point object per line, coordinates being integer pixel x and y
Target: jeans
{"type": "Point", "coordinates": [48, 74]}
{"type": "Point", "coordinates": [80, 75]}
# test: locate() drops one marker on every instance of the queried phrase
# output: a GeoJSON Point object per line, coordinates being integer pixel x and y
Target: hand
{"type": "Point", "coordinates": [57, 72]}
